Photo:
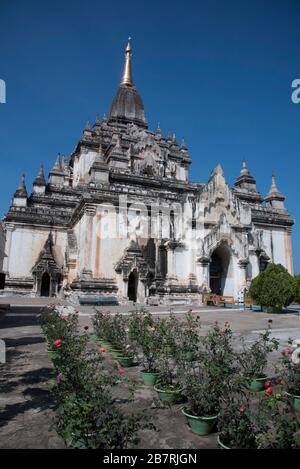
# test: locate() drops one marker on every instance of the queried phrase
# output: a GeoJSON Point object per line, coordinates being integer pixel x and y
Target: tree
{"type": "Point", "coordinates": [297, 278]}
{"type": "Point", "coordinates": [273, 287]}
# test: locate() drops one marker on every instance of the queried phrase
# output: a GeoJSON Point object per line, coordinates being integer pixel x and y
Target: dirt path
{"type": "Point", "coordinates": [25, 404]}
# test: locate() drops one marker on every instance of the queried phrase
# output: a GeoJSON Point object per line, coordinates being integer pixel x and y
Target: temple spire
{"type": "Point", "coordinates": [57, 164]}
{"type": "Point", "coordinates": [275, 198]}
{"type": "Point", "coordinates": [97, 121]}
{"type": "Point", "coordinates": [244, 170]}
{"type": "Point", "coordinates": [273, 188]}
{"type": "Point", "coordinates": [40, 178]}
{"type": "Point", "coordinates": [127, 74]}
{"type": "Point", "coordinates": [21, 190]}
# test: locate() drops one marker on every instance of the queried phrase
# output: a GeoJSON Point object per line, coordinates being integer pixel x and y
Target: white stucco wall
{"type": "Point", "coordinates": [2, 245]}
{"type": "Point", "coordinates": [82, 165]}
{"type": "Point", "coordinates": [279, 247]}
{"type": "Point", "coordinates": [25, 247]}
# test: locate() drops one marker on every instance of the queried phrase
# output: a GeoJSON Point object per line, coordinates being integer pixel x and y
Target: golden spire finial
{"type": "Point", "coordinates": [127, 75]}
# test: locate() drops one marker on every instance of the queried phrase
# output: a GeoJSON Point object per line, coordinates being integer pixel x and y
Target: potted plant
{"type": "Point", "coordinates": [167, 385]}
{"type": "Point", "coordinates": [188, 337]}
{"type": "Point", "coordinates": [253, 360]}
{"type": "Point", "coordinates": [236, 427]}
{"type": "Point", "coordinates": [123, 348]}
{"type": "Point", "coordinates": [273, 288]}
{"type": "Point", "coordinates": [236, 420]}
{"type": "Point", "coordinates": [102, 323]}
{"type": "Point", "coordinates": [289, 369]}
{"type": "Point", "coordinates": [277, 426]}
{"type": "Point", "coordinates": [89, 417]}
{"type": "Point", "coordinates": [146, 336]}
{"type": "Point", "coordinates": [203, 380]}
{"type": "Point", "coordinates": [202, 396]}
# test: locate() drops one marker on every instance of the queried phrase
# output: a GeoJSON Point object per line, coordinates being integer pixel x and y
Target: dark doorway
{"type": "Point", "coordinates": [263, 262]}
{"type": "Point", "coordinates": [219, 265]}
{"type": "Point", "coordinates": [132, 286]}
{"type": "Point", "coordinates": [2, 281]}
{"type": "Point", "coordinates": [163, 261]}
{"type": "Point", "coordinates": [45, 284]}
{"type": "Point", "coordinates": [215, 274]}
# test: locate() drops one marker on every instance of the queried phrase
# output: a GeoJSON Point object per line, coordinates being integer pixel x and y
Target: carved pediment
{"type": "Point", "coordinates": [218, 198]}
{"type": "Point", "coordinates": [132, 259]}
{"type": "Point", "coordinates": [46, 261]}
{"type": "Point", "coordinates": [225, 233]}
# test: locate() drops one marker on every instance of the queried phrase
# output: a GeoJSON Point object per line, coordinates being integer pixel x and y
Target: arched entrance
{"type": "Point", "coordinates": [219, 266]}
{"type": "Point", "coordinates": [45, 284]}
{"type": "Point", "coordinates": [132, 286]}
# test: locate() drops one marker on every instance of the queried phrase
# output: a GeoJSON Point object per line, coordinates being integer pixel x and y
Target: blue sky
{"type": "Point", "coordinates": [218, 73]}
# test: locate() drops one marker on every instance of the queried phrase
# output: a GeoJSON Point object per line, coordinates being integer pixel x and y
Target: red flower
{"type": "Point", "coordinates": [267, 384]}
{"type": "Point", "coordinates": [57, 343]}
{"type": "Point", "coordinates": [101, 349]}
{"type": "Point", "coordinates": [242, 409]}
{"type": "Point", "coordinates": [270, 321]}
{"type": "Point", "coordinates": [269, 391]}
{"type": "Point", "coordinates": [121, 371]}
{"type": "Point", "coordinates": [287, 351]}
{"type": "Point", "coordinates": [86, 328]}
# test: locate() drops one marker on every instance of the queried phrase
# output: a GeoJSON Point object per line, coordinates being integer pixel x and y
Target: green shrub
{"type": "Point", "coordinates": [92, 419]}
{"type": "Point", "coordinates": [273, 287]}
{"type": "Point", "coordinates": [297, 278]}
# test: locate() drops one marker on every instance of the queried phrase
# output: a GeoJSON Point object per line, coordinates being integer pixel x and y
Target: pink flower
{"type": "Point", "coordinates": [101, 349]}
{"type": "Point", "coordinates": [267, 384]}
{"type": "Point", "coordinates": [242, 409]}
{"type": "Point", "coordinates": [57, 343]}
{"type": "Point", "coordinates": [287, 351]}
{"type": "Point", "coordinates": [121, 371]}
{"type": "Point", "coordinates": [269, 391]}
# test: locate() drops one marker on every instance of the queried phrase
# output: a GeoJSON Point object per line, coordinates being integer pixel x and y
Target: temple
{"type": "Point", "coordinates": [119, 218]}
